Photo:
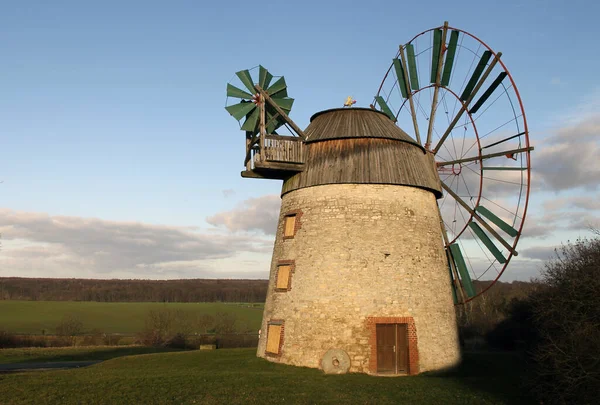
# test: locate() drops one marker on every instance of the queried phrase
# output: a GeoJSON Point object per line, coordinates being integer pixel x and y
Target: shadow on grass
{"type": "Point", "coordinates": [499, 373]}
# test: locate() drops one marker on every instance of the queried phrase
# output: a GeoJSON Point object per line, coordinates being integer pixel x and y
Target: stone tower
{"type": "Point", "coordinates": [359, 278]}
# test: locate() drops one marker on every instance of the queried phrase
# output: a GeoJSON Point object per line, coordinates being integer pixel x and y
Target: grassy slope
{"type": "Point", "coordinates": [35, 316]}
{"type": "Point", "coordinates": [39, 355]}
{"type": "Point", "coordinates": [236, 376]}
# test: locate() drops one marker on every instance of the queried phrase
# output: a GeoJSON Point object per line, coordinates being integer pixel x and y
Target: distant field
{"type": "Point", "coordinates": [126, 317]}
{"type": "Point", "coordinates": [237, 376]}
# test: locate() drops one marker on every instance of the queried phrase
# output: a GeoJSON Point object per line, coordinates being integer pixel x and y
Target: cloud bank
{"type": "Point", "coordinates": [37, 244]}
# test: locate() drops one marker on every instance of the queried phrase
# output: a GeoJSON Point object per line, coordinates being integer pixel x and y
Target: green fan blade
{"type": "Point", "coordinates": [450, 58]}
{"type": "Point", "coordinates": [245, 77]}
{"type": "Point", "coordinates": [488, 92]}
{"type": "Point", "coordinates": [465, 278]}
{"type": "Point", "coordinates": [284, 103]}
{"type": "Point", "coordinates": [264, 77]}
{"type": "Point", "coordinates": [385, 108]}
{"type": "Point", "coordinates": [400, 76]}
{"type": "Point", "coordinates": [251, 121]}
{"type": "Point", "coordinates": [272, 125]}
{"type": "Point", "coordinates": [233, 91]}
{"type": "Point", "coordinates": [412, 67]}
{"type": "Point", "coordinates": [476, 74]}
{"type": "Point", "coordinates": [454, 297]}
{"type": "Point", "coordinates": [487, 242]}
{"type": "Point", "coordinates": [278, 89]}
{"type": "Point", "coordinates": [435, 55]}
{"type": "Point", "coordinates": [492, 217]}
{"type": "Point", "coordinates": [240, 110]}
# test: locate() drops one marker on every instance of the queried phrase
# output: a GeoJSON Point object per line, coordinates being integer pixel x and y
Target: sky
{"type": "Point", "coordinates": [118, 159]}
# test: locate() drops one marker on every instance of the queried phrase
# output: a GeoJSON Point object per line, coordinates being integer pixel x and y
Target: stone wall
{"type": "Point", "coordinates": [361, 252]}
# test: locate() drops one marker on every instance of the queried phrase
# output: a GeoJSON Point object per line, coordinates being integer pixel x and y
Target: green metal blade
{"type": "Point", "coordinates": [245, 77]}
{"type": "Point", "coordinates": [272, 125]}
{"type": "Point", "coordinates": [400, 76]}
{"type": "Point", "coordinates": [435, 56]}
{"type": "Point", "coordinates": [488, 92]}
{"type": "Point", "coordinates": [454, 296]}
{"type": "Point", "coordinates": [264, 77]}
{"type": "Point", "coordinates": [252, 121]}
{"type": "Point", "coordinates": [476, 74]}
{"type": "Point", "coordinates": [449, 58]}
{"type": "Point", "coordinates": [284, 103]}
{"type": "Point", "coordinates": [412, 67]}
{"type": "Point", "coordinates": [385, 108]}
{"type": "Point", "coordinates": [465, 278]}
{"type": "Point", "coordinates": [278, 89]}
{"type": "Point", "coordinates": [497, 221]}
{"type": "Point", "coordinates": [487, 242]}
{"type": "Point", "coordinates": [240, 110]}
{"type": "Point", "coordinates": [233, 91]}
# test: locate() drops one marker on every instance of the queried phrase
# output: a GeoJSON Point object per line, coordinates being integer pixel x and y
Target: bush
{"type": "Point", "coordinates": [70, 325]}
{"type": "Point", "coordinates": [516, 331]}
{"type": "Point", "coordinates": [165, 328]}
{"type": "Point", "coordinates": [566, 318]}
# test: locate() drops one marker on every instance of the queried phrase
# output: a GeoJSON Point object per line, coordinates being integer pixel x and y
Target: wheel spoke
{"type": "Point", "coordinates": [483, 157]}
{"type": "Point", "coordinates": [438, 78]}
{"type": "Point", "coordinates": [410, 99]}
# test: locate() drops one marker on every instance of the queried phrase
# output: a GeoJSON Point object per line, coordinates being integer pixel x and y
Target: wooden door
{"type": "Point", "coordinates": [392, 348]}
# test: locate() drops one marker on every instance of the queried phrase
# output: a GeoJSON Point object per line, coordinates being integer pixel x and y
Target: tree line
{"type": "Point", "coordinates": [187, 290]}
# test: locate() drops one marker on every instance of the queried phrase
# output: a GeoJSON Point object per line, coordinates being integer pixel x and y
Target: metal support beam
{"type": "Point", "coordinates": [483, 157]}
{"type": "Point", "coordinates": [409, 93]}
{"type": "Point", "coordinates": [436, 89]}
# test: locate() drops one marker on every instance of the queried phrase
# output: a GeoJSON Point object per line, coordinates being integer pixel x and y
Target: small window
{"type": "Point", "coordinates": [290, 226]}
{"type": "Point", "coordinates": [273, 338]}
{"type": "Point", "coordinates": [283, 276]}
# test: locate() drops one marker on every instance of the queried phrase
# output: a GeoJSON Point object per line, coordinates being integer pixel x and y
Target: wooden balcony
{"type": "Point", "coordinates": [275, 157]}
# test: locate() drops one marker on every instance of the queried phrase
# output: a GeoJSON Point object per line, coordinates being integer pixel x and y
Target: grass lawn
{"type": "Point", "coordinates": [236, 376]}
{"type": "Point", "coordinates": [108, 317]}
{"type": "Point", "coordinates": [39, 355]}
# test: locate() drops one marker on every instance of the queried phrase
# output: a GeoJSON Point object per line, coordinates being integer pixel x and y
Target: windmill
{"type": "Point", "coordinates": [381, 231]}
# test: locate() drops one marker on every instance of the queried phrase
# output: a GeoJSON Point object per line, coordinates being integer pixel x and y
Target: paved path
{"type": "Point", "coordinates": [6, 368]}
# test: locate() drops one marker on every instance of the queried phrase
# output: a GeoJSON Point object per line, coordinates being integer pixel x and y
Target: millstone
{"type": "Point", "coordinates": [335, 361]}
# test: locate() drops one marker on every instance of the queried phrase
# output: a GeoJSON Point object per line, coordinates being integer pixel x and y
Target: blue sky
{"type": "Point", "coordinates": [112, 120]}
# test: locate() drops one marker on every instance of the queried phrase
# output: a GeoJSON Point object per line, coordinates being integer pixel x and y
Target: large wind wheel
{"type": "Point", "coordinates": [250, 100]}
{"type": "Point", "coordinates": [455, 95]}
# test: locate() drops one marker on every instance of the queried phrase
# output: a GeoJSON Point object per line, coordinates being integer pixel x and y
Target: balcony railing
{"type": "Point", "coordinates": [278, 157]}
{"type": "Point", "coordinates": [281, 149]}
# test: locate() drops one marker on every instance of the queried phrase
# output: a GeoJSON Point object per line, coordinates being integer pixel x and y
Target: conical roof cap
{"type": "Point", "coordinates": [343, 123]}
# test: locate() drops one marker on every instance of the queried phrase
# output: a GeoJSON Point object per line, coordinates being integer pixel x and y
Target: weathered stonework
{"type": "Point", "coordinates": [363, 252]}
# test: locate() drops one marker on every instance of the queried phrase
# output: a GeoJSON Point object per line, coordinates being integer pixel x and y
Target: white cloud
{"type": "Point", "coordinates": [37, 244]}
{"type": "Point", "coordinates": [254, 214]}
{"type": "Point", "coordinates": [228, 193]}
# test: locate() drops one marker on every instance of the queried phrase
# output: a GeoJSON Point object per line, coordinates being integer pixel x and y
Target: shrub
{"type": "Point", "coordinates": [70, 325]}
{"type": "Point", "coordinates": [566, 317]}
{"type": "Point", "coordinates": [165, 327]}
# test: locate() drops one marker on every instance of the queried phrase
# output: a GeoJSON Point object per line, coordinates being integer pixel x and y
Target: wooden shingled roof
{"type": "Point", "coordinates": [341, 123]}
{"type": "Point", "coordinates": [362, 146]}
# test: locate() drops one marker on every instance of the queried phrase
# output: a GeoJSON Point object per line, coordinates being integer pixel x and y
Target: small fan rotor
{"type": "Point", "coordinates": [250, 98]}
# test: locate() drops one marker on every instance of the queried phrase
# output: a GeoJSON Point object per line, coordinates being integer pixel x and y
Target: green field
{"type": "Point", "coordinates": [123, 317]}
{"type": "Point", "coordinates": [237, 376]}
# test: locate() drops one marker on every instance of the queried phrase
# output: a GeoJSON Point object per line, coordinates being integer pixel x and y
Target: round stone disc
{"type": "Point", "coordinates": [335, 361]}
